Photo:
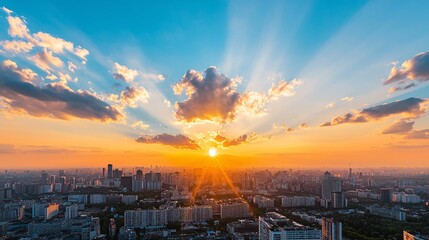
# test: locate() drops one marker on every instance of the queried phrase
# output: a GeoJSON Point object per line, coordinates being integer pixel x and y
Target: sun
{"type": "Point", "coordinates": [212, 152]}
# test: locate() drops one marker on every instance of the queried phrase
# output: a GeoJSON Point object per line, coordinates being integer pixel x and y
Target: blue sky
{"type": "Point", "coordinates": [339, 53]}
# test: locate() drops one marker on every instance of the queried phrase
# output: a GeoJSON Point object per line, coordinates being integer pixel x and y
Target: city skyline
{"type": "Point", "coordinates": [289, 84]}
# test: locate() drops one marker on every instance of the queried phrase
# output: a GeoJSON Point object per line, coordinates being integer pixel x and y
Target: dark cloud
{"type": "Point", "coordinates": [409, 108]}
{"type": "Point", "coordinates": [177, 141]}
{"type": "Point", "coordinates": [399, 127]}
{"type": "Point", "coordinates": [51, 100]}
{"type": "Point", "coordinates": [245, 138]}
{"type": "Point", "coordinates": [416, 68]}
{"type": "Point", "coordinates": [211, 96]}
{"type": "Point", "coordinates": [214, 97]}
{"type": "Point", "coordinates": [418, 134]}
{"type": "Point", "coordinates": [236, 141]}
{"type": "Point", "coordinates": [131, 95]}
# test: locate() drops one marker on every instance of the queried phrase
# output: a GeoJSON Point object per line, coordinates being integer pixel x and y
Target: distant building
{"type": "Point", "coordinates": [330, 184]}
{"type": "Point", "coordinates": [338, 200]}
{"type": "Point", "coordinates": [394, 213]}
{"type": "Point", "coordinates": [386, 195]}
{"type": "Point", "coordinates": [243, 229]}
{"type": "Point", "coordinates": [234, 210]}
{"type": "Point", "coordinates": [71, 211]}
{"type": "Point", "coordinates": [109, 171]}
{"type": "Point", "coordinates": [331, 230]}
{"type": "Point", "coordinates": [263, 202]}
{"type": "Point", "coordinates": [148, 218]}
{"type": "Point", "coordinates": [298, 201]}
{"type": "Point", "coordinates": [45, 210]}
{"type": "Point", "coordinates": [275, 226]}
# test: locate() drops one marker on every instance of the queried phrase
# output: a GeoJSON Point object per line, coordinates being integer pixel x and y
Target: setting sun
{"type": "Point", "coordinates": [212, 152]}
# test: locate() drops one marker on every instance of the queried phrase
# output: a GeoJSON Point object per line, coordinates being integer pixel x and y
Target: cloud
{"type": "Point", "coordinates": [177, 141]}
{"type": "Point", "coordinates": [140, 124]}
{"type": "Point", "coordinates": [16, 46]}
{"type": "Point", "coordinates": [283, 88]}
{"type": "Point", "coordinates": [416, 68]}
{"type": "Point", "coordinates": [253, 102]}
{"type": "Point", "coordinates": [167, 103]}
{"type": "Point", "coordinates": [331, 105]}
{"type": "Point", "coordinates": [245, 138]}
{"type": "Point", "coordinates": [7, 11]}
{"type": "Point", "coordinates": [210, 97]}
{"type": "Point", "coordinates": [283, 127]}
{"type": "Point", "coordinates": [124, 73]}
{"type": "Point", "coordinates": [418, 134]}
{"type": "Point", "coordinates": [133, 95]}
{"type": "Point", "coordinates": [45, 60]}
{"type": "Point", "coordinates": [71, 66]}
{"type": "Point", "coordinates": [51, 100]}
{"type": "Point", "coordinates": [152, 76]}
{"type": "Point", "coordinates": [17, 27]}
{"type": "Point", "coordinates": [347, 99]}
{"type": "Point", "coordinates": [25, 74]}
{"type": "Point", "coordinates": [400, 127]}
{"type": "Point", "coordinates": [408, 108]}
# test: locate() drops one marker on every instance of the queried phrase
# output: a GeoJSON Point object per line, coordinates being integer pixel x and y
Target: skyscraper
{"type": "Point", "coordinates": [110, 171]}
{"type": "Point", "coordinates": [331, 230]}
{"type": "Point", "coordinates": [330, 184]}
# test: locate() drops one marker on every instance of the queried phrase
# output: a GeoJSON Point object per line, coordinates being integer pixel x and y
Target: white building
{"type": "Point", "coordinates": [275, 226]}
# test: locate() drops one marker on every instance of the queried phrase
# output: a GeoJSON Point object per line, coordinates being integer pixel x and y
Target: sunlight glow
{"type": "Point", "coordinates": [212, 152]}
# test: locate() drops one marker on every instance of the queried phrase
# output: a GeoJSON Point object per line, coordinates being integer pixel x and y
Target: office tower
{"type": "Point", "coordinates": [331, 230]}
{"type": "Point", "coordinates": [338, 200]}
{"type": "Point", "coordinates": [61, 173]}
{"type": "Point", "coordinates": [127, 182]}
{"type": "Point", "coordinates": [386, 195]}
{"type": "Point", "coordinates": [104, 172]}
{"type": "Point", "coordinates": [110, 171]}
{"type": "Point", "coordinates": [274, 226]}
{"type": "Point", "coordinates": [52, 179]}
{"type": "Point", "coordinates": [139, 176]}
{"type": "Point", "coordinates": [71, 211]}
{"type": "Point", "coordinates": [44, 178]}
{"type": "Point", "coordinates": [330, 184]}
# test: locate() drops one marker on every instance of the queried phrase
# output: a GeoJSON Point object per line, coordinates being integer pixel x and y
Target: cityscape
{"type": "Point", "coordinates": [218, 120]}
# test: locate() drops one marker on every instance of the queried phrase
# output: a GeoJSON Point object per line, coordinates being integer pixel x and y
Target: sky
{"type": "Point", "coordinates": [278, 84]}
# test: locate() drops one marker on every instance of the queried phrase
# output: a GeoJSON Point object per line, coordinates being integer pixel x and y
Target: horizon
{"type": "Point", "coordinates": [279, 85]}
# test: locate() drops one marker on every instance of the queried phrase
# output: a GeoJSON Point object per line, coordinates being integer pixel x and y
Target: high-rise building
{"type": "Point", "coordinates": [71, 211]}
{"type": "Point", "coordinates": [274, 226]}
{"type": "Point", "coordinates": [127, 182]}
{"type": "Point", "coordinates": [331, 230]}
{"type": "Point", "coordinates": [51, 211]}
{"type": "Point", "coordinates": [110, 171]}
{"type": "Point", "coordinates": [104, 172]}
{"type": "Point", "coordinates": [44, 178]}
{"type": "Point", "coordinates": [338, 200]}
{"type": "Point", "coordinates": [386, 195]}
{"type": "Point", "coordinates": [139, 175]}
{"type": "Point", "coordinates": [330, 184]}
